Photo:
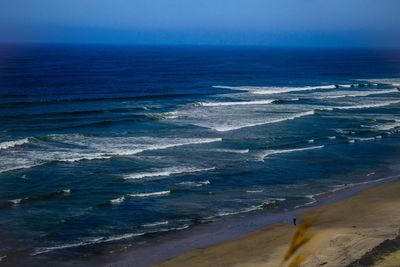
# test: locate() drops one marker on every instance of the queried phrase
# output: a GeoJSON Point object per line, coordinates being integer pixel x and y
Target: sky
{"type": "Point", "coordinates": [314, 23]}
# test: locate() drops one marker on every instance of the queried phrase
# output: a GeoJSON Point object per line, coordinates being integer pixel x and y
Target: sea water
{"type": "Point", "coordinates": [102, 145]}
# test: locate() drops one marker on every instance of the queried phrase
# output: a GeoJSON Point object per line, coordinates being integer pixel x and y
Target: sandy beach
{"type": "Point", "coordinates": [343, 232]}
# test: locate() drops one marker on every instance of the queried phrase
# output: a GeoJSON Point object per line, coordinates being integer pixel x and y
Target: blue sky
{"type": "Point", "coordinates": [370, 23]}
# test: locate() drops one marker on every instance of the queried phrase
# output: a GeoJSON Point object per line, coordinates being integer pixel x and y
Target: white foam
{"type": "Point", "coordinates": [268, 90]}
{"type": "Point", "coordinates": [151, 194]}
{"type": "Point", "coordinates": [165, 172]}
{"type": "Point", "coordinates": [3, 257]}
{"type": "Point", "coordinates": [195, 184]}
{"type": "Point", "coordinates": [117, 201]}
{"type": "Point", "coordinates": [331, 137]}
{"type": "Point", "coordinates": [87, 242]}
{"type": "Point", "coordinates": [15, 201]}
{"type": "Point", "coordinates": [387, 126]}
{"type": "Point", "coordinates": [254, 191]}
{"type": "Point", "coordinates": [268, 153]}
{"type": "Point", "coordinates": [386, 81]}
{"type": "Point", "coordinates": [363, 138]}
{"type": "Point", "coordinates": [372, 105]}
{"type": "Point", "coordinates": [155, 224]}
{"type": "Point", "coordinates": [66, 191]}
{"type": "Point", "coordinates": [250, 209]}
{"type": "Point", "coordinates": [217, 104]}
{"type": "Point", "coordinates": [351, 141]}
{"type": "Point", "coordinates": [75, 148]}
{"type": "Point", "coordinates": [235, 151]}
{"type": "Point", "coordinates": [236, 127]}
{"type": "Point", "coordinates": [120, 146]}
{"type": "Point", "coordinates": [342, 94]}
{"type": "Point", "coordinates": [11, 144]}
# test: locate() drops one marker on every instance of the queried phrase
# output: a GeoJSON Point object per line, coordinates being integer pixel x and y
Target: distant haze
{"type": "Point", "coordinates": [324, 23]}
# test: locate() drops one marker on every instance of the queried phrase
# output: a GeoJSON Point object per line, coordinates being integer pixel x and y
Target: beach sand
{"type": "Point", "coordinates": [344, 231]}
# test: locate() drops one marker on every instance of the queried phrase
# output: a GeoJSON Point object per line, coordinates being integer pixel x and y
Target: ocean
{"type": "Point", "coordinates": [103, 147]}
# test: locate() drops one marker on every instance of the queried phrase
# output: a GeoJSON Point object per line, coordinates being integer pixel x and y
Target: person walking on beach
{"type": "Point", "coordinates": [294, 221]}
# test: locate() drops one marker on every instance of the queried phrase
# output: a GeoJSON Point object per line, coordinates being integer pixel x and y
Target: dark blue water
{"type": "Point", "coordinates": [108, 146]}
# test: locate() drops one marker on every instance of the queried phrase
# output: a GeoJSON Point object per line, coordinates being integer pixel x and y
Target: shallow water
{"type": "Point", "coordinates": [104, 146]}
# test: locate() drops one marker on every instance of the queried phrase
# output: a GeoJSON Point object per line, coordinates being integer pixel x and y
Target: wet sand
{"type": "Point", "coordinates": [344, 231]}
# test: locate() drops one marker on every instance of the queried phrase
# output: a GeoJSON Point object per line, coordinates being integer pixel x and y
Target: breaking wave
{"type": "Point", "coordinates": [268, 153]}
{"type": "Point", "coordinates": [165, 172]}
{"type": "Point", "coordinates": [268, 90]}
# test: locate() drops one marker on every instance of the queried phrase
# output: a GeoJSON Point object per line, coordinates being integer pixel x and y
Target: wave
{"type": "Point", "coordinates": [151, 194]}
{"type": "Point", "coordinates": [236, 127]}
{"type": "Point", "coordinates": [11, 144]}
{"type": "Point", "coordinates": [363, 106]}
{"type": "Point", "coordinates": [119, 200]}
{"type": "Point", "coordinates": [268, 90]}
{"type": "Point", "coordinates": [166, 172]}
{"type": "Point", "coordinates": [100, 240]}
{"type": "Point", "coordinates": [339, 187]}
{"type": "Point", "coordinates": [267, 153]}
{"type": "Point", "coordinates": [87, 242]}
{"type": "Point", "coordinates": [155, 224]}
{"type": "Point", "coordinates": [17, 201]}
{"type": "Point", "coordinates": [354, 94]}
{"type": "Point", "coordinates": [261, 206]}
{"type": "Point", "coordinates": [217, 104]}
{"type": "Point", "coordinates": [385, 81]}
{"type": "Point", "coordinates": [387, 126]}
{"type": "Point", "coordinates": [254, 191]}
{"type": "Point", "coordinates": [195, 184]}
{"type": "Point", "coordinates": [41, 101]}
{"type": "Point", "coordinates": [90, 148]}
{"type": "Point", "coordinates": [235, 151]}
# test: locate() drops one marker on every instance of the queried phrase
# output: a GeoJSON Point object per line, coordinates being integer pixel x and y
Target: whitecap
{"type": "Point", "coordinates": [151, 194]}
{"type": "Point", "coordinates": [236, 127]}
{"type": "Point", "coordinates": [385, 81]}
{"type": "Point", "coordinates": [217, 104]}
{"type": "Point", "coordinates": [254, 191]}
{"type": "Point", "coordinates": [117, 201]}
{"type": "Point", "coordinates": [11, 144]}
{"type": "Point", "coordinates": [195, 184]}
{"type": "Point", "coordinates": [15, 201]}
{"type": "Point", "coordinates": [267, 90]}
{"type": "Point", "coordinates": [155, 224]}
{"type": "Point", "coordinates": [165, 172]}
{"type": "Point", "coordinates": [270, 152]}
{"type": "Point", "coordinates": [235, 151]}
{"type": "Point", "coordinates": [87, 242]}
{"type": "Point", "coordinates": [342, 94]}
{"type": "Point", "coordinates": [362, 106]}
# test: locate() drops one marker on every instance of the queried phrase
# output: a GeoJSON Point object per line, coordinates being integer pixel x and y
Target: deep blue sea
{"type": "Point", "coordinates": [102, 146]}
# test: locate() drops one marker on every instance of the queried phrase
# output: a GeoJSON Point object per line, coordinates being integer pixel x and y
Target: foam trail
{"type": "Point", "coordinates": [250, 209]}
{"type": "Point", "coordinates": [355, 94]}
{"type": "Point", "coordinates": [217, 104]}
{"type": "Point", "coordinates": [387, 81]}
{"type": "Point", "coordinates": [85, 243]}
{"type": "Point", "coordinates": [155, 224]}
{"type": "Point", "coordinates": [291, 117]}
{"type": "Point", "coordinates": [195, 184]}
{"type": "Point", "coordinates": [269, 90]}
{"type": "Point", "coordinates": [235, 151]}
{"type": "Point", "coordinates": [376, 105]}
{"type": "Point", "coordinates": [166, 172]}
{"type": "Point", "coordinates": [10, 144]}
{"type": "Point", "coordinates": [152, 194]}
{"type": "Point", "coordinates": [284, 151]}
{"type": "Point", "coordinates": [387, 126]}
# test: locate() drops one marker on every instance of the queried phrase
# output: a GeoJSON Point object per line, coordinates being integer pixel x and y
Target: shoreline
{"type": "Point", "coordinates": [171, 250]}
